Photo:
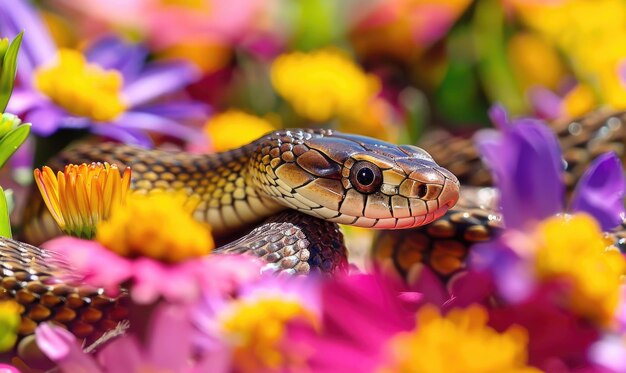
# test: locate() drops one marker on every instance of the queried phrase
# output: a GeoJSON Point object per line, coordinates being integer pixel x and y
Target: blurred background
{"type": "Point", "coordinates": [209, 75]}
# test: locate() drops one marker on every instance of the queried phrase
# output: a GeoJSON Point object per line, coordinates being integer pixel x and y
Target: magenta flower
{"type": "Point", "coordinates": [186, 281]}
{"type": "Point", "coordinates": [169, 347]}
{"type": "Point", "coordinates": [110, 89]}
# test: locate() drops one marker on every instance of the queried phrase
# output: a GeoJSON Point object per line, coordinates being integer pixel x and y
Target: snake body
{"type": "Point", "coordinates": [302, 182]}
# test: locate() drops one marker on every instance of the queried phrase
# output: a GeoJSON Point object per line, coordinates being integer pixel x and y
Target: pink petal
{"type": "Point", "coordinates": [123, 355]}
{"type": "Point", "coordinates": [62, 348]}
{"type": "Point", "coordinates": [170, 346]}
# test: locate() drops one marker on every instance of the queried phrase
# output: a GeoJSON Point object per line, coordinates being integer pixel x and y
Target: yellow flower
{"type": "Point", "coordinates": [82, 88]}
{"type": "Point", "coordinates": [159, 225]}
{"type": "Point", "coordinates": [9, 324]}
{"type": "Point", "coordinates": [459, 342]}
{"type": "Point", "coordinates": [579, 101]}
{"type": "Point", "coordinates": [256, 328]}
{"type": "Point", "coordinates": [573, 249]}
{"type": "Point", "coordinates": [323, 84]}
{"type": "Point", "coordinates": [81, 196]}
{"type": "Point", "coordinates": [535, 61]}
{"type": "Point", "coordinates": [234, 128]}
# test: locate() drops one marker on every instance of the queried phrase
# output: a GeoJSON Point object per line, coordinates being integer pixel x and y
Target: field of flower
{"type": "Point", "coordinates": [173, 173]}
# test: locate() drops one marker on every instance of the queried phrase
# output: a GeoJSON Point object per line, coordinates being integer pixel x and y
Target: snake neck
{"type": "Point", "coordinates": [229, 198]}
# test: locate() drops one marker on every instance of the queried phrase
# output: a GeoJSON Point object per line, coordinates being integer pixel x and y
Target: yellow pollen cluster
{"type": "Point", "coordinates": [233, 128]}
{"type": "Point", "coordinates": [257, 328]}
{"type": "Point", "coordinates": [323, 84]}
{"type": "Point", "coordinates": [81, 88]}
{"type": "Point", "coordinates": [158, 226]}
{"type": "Point", "coordinates": [82, 195]}
{"type": "Point", "coordinates": [459, 342]}
{"type": "Point", "coordinates": [574, 250]}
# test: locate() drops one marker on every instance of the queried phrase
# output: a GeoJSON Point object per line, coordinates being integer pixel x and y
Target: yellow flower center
{"type": "Point", "coordinates": [235, 128]}
{"type": "Point", "coordinates": [256, 330]}
{"type": "Point", "coordinates": [81, 88]}
{"type": "Point", "coordinates": [573, 248]}
{"type": "Point", "coordinates": [324, 84]}
{"type": "Point", "coordinates": [202, 5]}
{"type": "Point", "coordinates": [159, 226]}
{"type": "Point", "coordinates": [81, 196]}
{"type": "Point", "coordinates": [459, 342]}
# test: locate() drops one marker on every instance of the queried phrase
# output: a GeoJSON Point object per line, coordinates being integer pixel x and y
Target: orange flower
{"type": "Point", "coordinates": [81, 196]}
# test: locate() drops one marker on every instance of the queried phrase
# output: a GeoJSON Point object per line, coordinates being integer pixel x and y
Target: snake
{"type": "Point", "coordinates": [281, 197]}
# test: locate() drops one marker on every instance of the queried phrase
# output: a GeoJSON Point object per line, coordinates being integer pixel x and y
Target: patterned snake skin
{"type": "Point", "coordinates": [444, 245]}
{"type": "Point", "coordinates": [301, 182]}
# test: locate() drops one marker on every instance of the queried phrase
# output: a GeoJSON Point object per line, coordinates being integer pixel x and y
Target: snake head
{"type": "Point", "coordinates": [361, 181]}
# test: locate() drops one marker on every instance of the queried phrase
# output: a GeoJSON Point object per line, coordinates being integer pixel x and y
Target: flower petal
{"type": "Point", "coordinates": [45, 120]}
{"type": "Point", "coordinates": [499, 117]}
{"type": "Point", "coordinates": [62, 347]}
{"type": "Point", "coordinates": [112, 53]}
{"type": "Point", "coordinates": [122, 355]}
{"type": "Point", "coordinates": [600, 191]}
{"type": "Point", "coordinates": [170, 340]}
{"type": "Point", "coordinates": [150, 122]}
{"type": "Point", "coordinates": [526, 163]}
{"type": "Point", "coordinates": [159, 81]}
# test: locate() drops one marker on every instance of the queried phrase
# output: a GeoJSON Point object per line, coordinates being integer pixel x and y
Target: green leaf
{"type": "Point", "coordinates": [4, 45]}
{"type": "Point", "coordinates": [9, 67]}
{"type": "Point", "coordinates": [11, 141]}
{"type": "Point", "coordinates": [5, 223]}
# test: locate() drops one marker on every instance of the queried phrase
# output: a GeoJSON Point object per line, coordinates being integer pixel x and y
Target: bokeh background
{"type": "Point", "coordinates": [210, 75]}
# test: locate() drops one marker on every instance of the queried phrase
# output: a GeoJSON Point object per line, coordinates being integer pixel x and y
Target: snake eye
{"type": "Point", "coordinates": [366, 177]}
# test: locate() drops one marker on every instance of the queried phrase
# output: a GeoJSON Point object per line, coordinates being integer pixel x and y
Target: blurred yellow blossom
{"type": "Point", "coordinates": [459, 342]}
{"type": "Point", "coordinates": [9, 324]}
{"type": "Point", "coordinates": [256, 327]}
{"type": "Point", "coordinates": [535, 61]}
{"type": "Point", "coordinates": [573, 249]}
{"type": "Point", "coordinates": [233, 128]}
{"type": "Point", "coordinates": [83, 195]}
{"type": "Point", "coordinates": [323, 84]}
{"type": "Point", "coordinates": [159, 225]}
{"type": "Point", "coordinates": [589, 34]}
{"type": "Point", "coordinates": [578, 101]}
{"type": "Point", "coordinates": [81, 88]}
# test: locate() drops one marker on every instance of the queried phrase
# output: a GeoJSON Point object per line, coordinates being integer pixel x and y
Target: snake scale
{"type": "Point", "coordinates": [305, 181]}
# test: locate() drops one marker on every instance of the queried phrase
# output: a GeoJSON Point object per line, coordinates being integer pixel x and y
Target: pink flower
{"type": "Point", "coordinates": [150, 279]}
{"type": "Point", "coordinates": [169, 348]}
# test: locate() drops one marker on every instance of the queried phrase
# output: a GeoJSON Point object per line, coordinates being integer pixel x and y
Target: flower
{"type": "Point", "coordinates": [137, 229]}
{"type": "Point", "coordinates": [234, 128]}
{"type": "Point", "coordinates": [254, 324]}
{"type": "Point", "coordinates": [573, 249]}
{"type": "Point", "coordinates": [83, 195]}
{"type": "Point", "coordinates": [109, 88]}
{"type": "Point", "coordinates": [460, 341]}
{"type": "Point", "coordinates": [9, 323]}
{"type": "Point", "coordinates": [150, 279]}
{"type": "Point", "coordinates": [169, 348]}
{"type": "Point", "coordinates": [525, 159]}
{"type": "Point", "coordinates": [323, 84]}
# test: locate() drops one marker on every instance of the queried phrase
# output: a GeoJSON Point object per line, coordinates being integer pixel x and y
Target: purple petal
{"type": "Point", "coordinates": [23, 100]}
{"type": "Point", "coordinates": [112, 53]}
{"type": "Point", "coordinates": [182, 110]}
{"type": "Point", "coordinates": [149, 122]}
{"type": "Point", "coordinates": [498, 115]}
{"type": "Point", "coordinates": [123, 355]}
{"type": "Point", "coordinates": [546, 103]}
{"type": "Point", "coordinates": [600, 191]}
{"type": "Point", "coordinates": [159, 81]}
{"type": "Point", "coordinates": [45, 120]}
{"type": "Point", "coordinates": [62, 347]}
{"type": "Point", "coordinates": [526, 165]}
{"type": "Point", "coordinates": [170, 346]}
{"type": "Point", "coordinates": [123, 135]}
{"type": "Point", "coordinates": [37, 43]}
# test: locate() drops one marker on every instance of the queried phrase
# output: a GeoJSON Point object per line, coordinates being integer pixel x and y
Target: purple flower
{"type": "Point", "coordinates": [110, 89]}
{"type": "Point", "coordinates": [525, 158]}
{"type": "Point", "coordinates": [169, 347]}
